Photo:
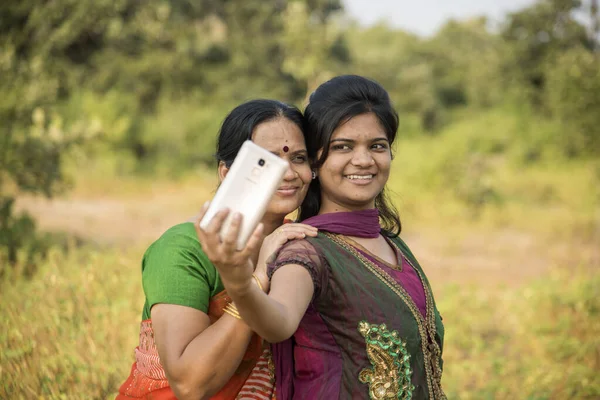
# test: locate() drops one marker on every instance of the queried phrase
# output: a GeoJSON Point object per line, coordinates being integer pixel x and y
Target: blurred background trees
{"type": "Point", "coordinates": [132, 87]}
{"type": "Point", "coordinates": [112, 108]}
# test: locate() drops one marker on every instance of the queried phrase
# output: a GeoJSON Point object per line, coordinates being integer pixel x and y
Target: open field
{"type": "Point", "coordinates": [521, 309]}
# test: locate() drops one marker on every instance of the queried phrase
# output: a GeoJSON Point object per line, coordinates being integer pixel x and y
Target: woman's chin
{"type": "Point", "coordinates": [283, 207]}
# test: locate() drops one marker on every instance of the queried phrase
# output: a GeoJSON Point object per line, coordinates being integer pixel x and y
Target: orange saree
{"type": "Point", "coordinates": [253, 379]}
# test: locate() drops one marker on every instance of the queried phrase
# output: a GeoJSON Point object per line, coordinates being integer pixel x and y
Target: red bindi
{"type": "Point", "coordinates": [286, 149]}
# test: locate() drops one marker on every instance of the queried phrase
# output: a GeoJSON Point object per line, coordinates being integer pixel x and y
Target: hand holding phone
{"type": "Point", "coordinates": [247, 188]}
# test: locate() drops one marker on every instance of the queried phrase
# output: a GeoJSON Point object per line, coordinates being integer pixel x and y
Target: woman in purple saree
{"type": "Point", "coordinates": [350, 311]}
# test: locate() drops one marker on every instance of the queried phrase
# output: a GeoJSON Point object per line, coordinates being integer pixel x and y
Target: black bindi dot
{"type": "Point", "coordinates": [286, 149]}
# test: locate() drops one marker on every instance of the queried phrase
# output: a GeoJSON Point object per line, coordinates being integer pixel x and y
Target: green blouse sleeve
{"type": "Point", "coordinates": [175, 270]}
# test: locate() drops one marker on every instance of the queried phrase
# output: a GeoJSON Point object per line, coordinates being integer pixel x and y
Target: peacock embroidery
{"type": "Point", "coordinates": [390, 374]}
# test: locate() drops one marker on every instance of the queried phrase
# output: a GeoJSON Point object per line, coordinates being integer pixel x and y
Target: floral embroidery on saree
{"type": "Point", "coordinates": [390, 377]}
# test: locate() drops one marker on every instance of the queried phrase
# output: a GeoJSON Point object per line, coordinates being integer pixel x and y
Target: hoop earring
{"type": "Point", "coordinates": [314, 175]}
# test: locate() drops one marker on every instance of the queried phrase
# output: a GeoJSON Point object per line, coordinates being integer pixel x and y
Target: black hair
{"type": "Point", "coordinates": [332, 104]}
{"type": "Point", "coordinates": [242, 120]}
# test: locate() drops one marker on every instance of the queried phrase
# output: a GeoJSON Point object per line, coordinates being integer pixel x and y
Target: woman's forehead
{"type": "Point", "coordinates": [280, 128]}
{"type": "Point", "coordinates": [361, 127]}
{"type": "Point", "coordinates": [275, 134]}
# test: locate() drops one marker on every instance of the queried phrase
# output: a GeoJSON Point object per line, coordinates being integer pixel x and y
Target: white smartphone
{"type": "Point", "coordinates": [247, 188]}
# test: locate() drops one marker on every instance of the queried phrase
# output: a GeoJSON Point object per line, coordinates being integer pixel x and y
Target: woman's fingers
{"type": "Point", "coordinates": [280, 239]}
{"type": "Point", "coordinates": [216, 223]}
{"type": "Point", "coordinates": [210, 237]}
{"type": "Point", "coordinates": [202, 212]}
{"type": "Point", "coordinates": [285, 233]}
{"type": "Point", "coordinates": [298, 228]}
{"type": "Point", "coordinates": [296, 235]}
{"type": "Point", "coordinates": [199, 231]}
{"type": "Point", "coordinates": [254, 242]}
{"type": "Point", "coordinates": [286, 236]}
{"type": "Point", "coordinates": [230, 237]}
{"type": "Point", "coordinates": [309, 230]}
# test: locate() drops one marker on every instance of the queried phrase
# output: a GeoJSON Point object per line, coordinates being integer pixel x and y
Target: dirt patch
{"type": "Point", "coordinates": [499, 257]}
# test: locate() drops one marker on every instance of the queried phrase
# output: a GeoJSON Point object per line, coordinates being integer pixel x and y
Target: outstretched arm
{"type": "Point", "coordinates": [276, 316]}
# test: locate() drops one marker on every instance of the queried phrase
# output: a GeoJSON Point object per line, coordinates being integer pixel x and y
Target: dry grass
{"type": "Point", "coordinates": [69, 333]}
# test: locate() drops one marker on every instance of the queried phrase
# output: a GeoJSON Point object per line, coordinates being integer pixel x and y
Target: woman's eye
{"type": "Point", "coordinates": [340, 147]}
{"type": "Point", "coordinates": [380, 146]}
{"type": "Point", "coordinates": [299, 160]}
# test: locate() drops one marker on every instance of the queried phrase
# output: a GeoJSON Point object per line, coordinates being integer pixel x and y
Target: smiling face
{"type": "Point", "coordinates": [275, 135]}
{"type": "Point", "coordinates": [357, 166]}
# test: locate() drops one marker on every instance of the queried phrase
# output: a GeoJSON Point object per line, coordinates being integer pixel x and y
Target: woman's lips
{"type": "Point", "coordinates": [287, 190]}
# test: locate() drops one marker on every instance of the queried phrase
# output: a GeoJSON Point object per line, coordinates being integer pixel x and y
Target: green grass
{"type": "Point", "coordinates": [540, 341]}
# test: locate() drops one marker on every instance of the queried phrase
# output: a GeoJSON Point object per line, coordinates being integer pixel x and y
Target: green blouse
{"type": "Point", "coordinates": [175, 270]}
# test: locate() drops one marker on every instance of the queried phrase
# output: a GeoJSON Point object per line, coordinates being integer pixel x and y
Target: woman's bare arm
{"type": "Point", "coordinates": [276, 316]}
{"type": "Point", "coordinates": [198, 358]}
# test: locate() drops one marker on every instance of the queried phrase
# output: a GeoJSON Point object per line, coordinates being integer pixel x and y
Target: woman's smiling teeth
{"type": "Point", "coordinates": [360, 177]}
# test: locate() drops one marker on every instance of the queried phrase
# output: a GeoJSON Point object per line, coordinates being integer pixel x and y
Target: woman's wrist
{"type": "Point", "coordinates": [260, 286]}
{"type": "Point", "coordinates": [232, 310]}
{"type": "Point", "coordinates": [241, 292]}
{"type": "Point", "coordinates": [262, 281]}
{"type": "Point", "coordinates": [260, 275]}
{"type": "Point", "coordinates": [239, 289]}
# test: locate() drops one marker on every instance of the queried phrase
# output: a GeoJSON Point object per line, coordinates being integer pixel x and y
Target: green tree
{"type": "Point", "coordinates": [395, 59]}
{"type": "Point", "coordinates": [118, 71]}
{"type": "Point", "coordinates": [573, 98]}
{"type": "Point", "coordinates": [538, 35]}
{"type": "Point", "coordinates": [34, 138]}
{"type": "Point", "coordinates": [312, 49]}
{"type": "Point", "coordinates": [468, 63]}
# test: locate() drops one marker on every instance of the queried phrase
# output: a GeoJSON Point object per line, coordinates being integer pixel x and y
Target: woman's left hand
{"type": "Point", "coordinates": [275, 240]}
{"type": "Point", "coordinates": [235, 267]}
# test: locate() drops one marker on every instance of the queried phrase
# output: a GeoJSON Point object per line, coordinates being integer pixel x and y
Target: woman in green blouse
{"type": "Point", "coordinates": [192, 343]}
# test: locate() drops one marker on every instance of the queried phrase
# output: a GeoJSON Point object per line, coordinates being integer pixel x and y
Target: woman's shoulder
{"type": "Point", "coordinates": [180, 235]}
{"type": "Point", "coordinates": [175, 270]}
{"type": "Point", "coordinates": [181, 230]}
{"type": "Point", "coordinates": [179, 241]}
{"type": "Point", "coordinates": [308, 249]}
{"type": "Point", "coordinates": [304, 245]}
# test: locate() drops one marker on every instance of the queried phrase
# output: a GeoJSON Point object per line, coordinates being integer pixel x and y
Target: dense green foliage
{"type": "Point", "coordinates": [141, 87]}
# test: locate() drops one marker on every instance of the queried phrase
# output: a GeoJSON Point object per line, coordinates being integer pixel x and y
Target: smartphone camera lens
{"type": "Point", "coordinates": [261, 162]}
